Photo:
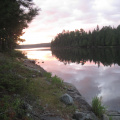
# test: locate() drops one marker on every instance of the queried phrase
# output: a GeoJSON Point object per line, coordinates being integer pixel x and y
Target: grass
{"type": "Point", "coordinates": [17, 83]}
{"type": "Point", "coordinates": [14, 79]}
{"type": "Point", "coordinates": [97, 106]}
{"type": "Point", "coordinates": [49, 94]}
{"type": "Point", "coordinates": [56, 80]}
{"type": "Point", "coordinates": [110, 118]}
{"type": "Point", "coordinates": [10, 108]}
{"type": "Point", "coordinates": [48, 74]}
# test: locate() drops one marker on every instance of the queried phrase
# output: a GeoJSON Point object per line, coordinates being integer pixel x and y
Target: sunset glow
{"type": "Point", "coordinates": [70, 15]}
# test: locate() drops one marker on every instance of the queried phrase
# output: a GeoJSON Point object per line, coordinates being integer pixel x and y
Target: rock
{"type": "Point", "coordinates": [32, 61]}
{"type": "Point", "coordinates": [28, 60]}
{"type": "Point", "coordinates": [119, 111]}
{"type": "Point", "coordinates": [33, 76]}
{"type": "Point", "coordinates": [20, 76]}
{"type": "Point", "coordinates": [84, 116]}
{"type": "Point", "coordinates": [27, 106]}
{"type": "Point", "coordinates": [78, 116]}
{"type": "Point", "coordinates": [18, 59]}
{"type": "Point", "coordinates": [115, 115]}
{"type": "Point", "coordinates": [67, 99]}
{"type": "Point", "coordinates": [51, 118]}
{"type": "Point", "coordinates": [45, 107]}
{"type": "Point", "coordinates": [28, 114]}
{"type": "Point", "coordinates": [105, 117]}
{"type": "Point", "coordinates": [16, 95]}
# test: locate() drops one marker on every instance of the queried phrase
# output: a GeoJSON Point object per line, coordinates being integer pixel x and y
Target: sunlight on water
{"type": "Point", "coordinates": [89, 79]}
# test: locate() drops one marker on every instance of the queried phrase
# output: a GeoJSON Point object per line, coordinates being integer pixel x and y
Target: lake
{"type": "Point", "coordinates": [94, 72]}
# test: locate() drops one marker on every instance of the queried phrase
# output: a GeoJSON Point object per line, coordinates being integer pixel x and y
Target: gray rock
{"type": "Point", "coordinates": [105, 117]}
{"type": "Point", "coordinates": [67, 99]}
{"type": "Point", "coordinates": [33, 76]}
{"type": "Point", "coordinates": [51, 118]}
{"type": "Point", "coordinates": [84, 116]}
{"type": "Point", "coordinates": [32, 61]}
{"type": "Point", "coordinates": [119, 111]}
{"type": "Point", "coordinates": [16, 95]}
{"type": "Point", "coordinates": [114, 115]}
{"type": "Point", "coordinates": [27, 106]}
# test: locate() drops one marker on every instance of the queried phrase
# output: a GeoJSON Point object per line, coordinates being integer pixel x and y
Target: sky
{"type": "Point", "coordinates": [58, 15]}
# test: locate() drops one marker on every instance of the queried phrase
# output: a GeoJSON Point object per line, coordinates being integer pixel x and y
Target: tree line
{"type": "Point", "coordinates": [106, 36]}
{"type": "Point", "coordinates": [15, 15]}
{"type": "Point", "coordinates": [107, 56]}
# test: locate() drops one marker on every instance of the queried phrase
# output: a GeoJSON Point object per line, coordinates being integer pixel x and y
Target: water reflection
{"type": "Point", "coordinates": [88, 78]}
{"type": "Point", "coordinates": [106, 56]}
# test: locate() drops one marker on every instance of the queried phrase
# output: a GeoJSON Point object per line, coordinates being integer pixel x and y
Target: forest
{"type": "Point", "coordinates": [106, 36]}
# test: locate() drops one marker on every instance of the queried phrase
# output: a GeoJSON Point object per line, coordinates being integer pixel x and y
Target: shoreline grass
{"type": "Point", "coordinates": [17, 86]}
{"type": "Point", "coordinates": [97, 106]}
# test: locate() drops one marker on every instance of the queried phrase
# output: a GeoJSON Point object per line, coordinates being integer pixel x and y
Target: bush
{"type": "Point", "coordinates": [56, 80]}
{"type": "Point", "coordinates": [110, 118]}
{"type": "Point", "coordinates": [48, 74]}
{"type": "Point", "coordinates": [17, 54]}
{"type": "Point", "coordinates": [97, 106]}
{"type": "Point", "coordinates": [11, 108]}
{"type": "Point", "coordinates": [10, 79]}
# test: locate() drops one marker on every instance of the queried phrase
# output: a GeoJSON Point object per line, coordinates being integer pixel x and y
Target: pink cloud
{"type": "Point", "coordinates": [70, 15]}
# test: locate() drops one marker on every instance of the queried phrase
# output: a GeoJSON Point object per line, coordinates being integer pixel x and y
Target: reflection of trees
{"type": "Point", "coordinates": [106, 56]}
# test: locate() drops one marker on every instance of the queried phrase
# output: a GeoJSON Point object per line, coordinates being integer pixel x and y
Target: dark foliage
{"type": "Point", "coordinates": [107, 36]}
{"type": "Point", "coordinates": [15, 15]}
{"type": "Point", "coordinates": [107, 56]}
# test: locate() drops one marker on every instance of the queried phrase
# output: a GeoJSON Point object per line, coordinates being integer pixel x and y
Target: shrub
{"type": "Point", "coordinates": [97, 106]}
{"type": "Point", "coordinates": [56, 80]}
{"type": "Point", "coordinates": [10, 79]}
{"type": "Point", "coordinates": [17, 53]}
{"type": "Point", "coordinates": [110, 118]}
{"type": "Point", "coordinates": [11, 108]}
{"type": "Point", "coordinates": [48, 74]}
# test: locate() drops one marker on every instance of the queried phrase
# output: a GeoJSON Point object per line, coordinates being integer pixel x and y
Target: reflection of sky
{"type": "Point", "coordinates": [88, 79]}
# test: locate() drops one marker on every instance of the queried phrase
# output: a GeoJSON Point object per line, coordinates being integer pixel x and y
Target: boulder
{"type": "Point", "coordinates": [84, 116]}
{"type": "Point", "coordinates": [67, 99]}
{"type": "Point", "coordinates": [115, 115]}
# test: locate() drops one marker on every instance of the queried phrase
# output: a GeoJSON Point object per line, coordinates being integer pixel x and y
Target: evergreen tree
{"type": "Point", "coordinates": [107, 36]}
{"type": "Point", "coordinates": [15, 16]}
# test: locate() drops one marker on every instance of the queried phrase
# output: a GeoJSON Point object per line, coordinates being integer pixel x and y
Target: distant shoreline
{"type": "Point", "coordinates": [33, 46]}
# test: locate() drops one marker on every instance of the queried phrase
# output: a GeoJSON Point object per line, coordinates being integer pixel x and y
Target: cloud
{"type": "Point", "coordinates": [70, 15]}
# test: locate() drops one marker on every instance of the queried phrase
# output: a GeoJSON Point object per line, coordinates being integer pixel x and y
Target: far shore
{"type": "Point", "coordinates": [29, 46]}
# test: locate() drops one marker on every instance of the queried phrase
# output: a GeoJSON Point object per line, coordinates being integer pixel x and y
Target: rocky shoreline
{"type": "Point", "coordinates": [83, 109]}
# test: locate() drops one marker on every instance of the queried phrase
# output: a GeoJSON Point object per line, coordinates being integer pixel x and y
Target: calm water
{"type": "Point", "coordinates": [93, 75]}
